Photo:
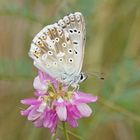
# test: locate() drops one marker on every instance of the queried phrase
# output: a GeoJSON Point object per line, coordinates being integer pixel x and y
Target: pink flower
{"type": "Point", "coordinates": [54, 103]}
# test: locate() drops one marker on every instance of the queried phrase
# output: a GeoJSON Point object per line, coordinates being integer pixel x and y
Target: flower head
{"type": "Point", "coordinates": [54, 103]}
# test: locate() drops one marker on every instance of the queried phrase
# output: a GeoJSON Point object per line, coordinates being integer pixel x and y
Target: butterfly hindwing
{"type": "Point", "coordinates": [58, 49]}
{"type": "Point", "coordinates": [74, 25]}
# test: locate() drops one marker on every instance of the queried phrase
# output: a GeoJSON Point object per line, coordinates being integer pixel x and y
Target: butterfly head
{"type": "Point", "coordinates": [83, 77]}
{"type": "Point", "coordinates": [76, 80]}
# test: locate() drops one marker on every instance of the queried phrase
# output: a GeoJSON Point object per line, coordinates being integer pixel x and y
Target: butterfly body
{"type": "Point", "coordinates": [58, 49]}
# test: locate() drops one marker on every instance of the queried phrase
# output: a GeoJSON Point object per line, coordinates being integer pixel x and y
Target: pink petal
{"type": "Point", "coordinates": [52, 116]}
{"type": "Point", "coordinates": [54, 124]}
{"type": "Point", "coordinates": [33, 115]}
{"type": "Point", "coordinates": [84, 109]}
{"type": "Point", "coordinates": [42, 75]}
{"type": "Point", "coordinates": [59, 102]}
{"type": "Point", "coordinates": [61, 112]}
{"type": "Point", "coordinates": [30, 101]}
{"type": "Point", "coordinates": [39, 121]}
{"type": "Point", "coordinates": [26, 112]}
{"type": "Point", "coordinates": [50, 120]}
{"type": "Point", "coordinates": [71, 120]}
{"type": "Point", "coordinates": [37, 93]}
{"type": "Point", "coordinates": [45, 76]}
{"type": "Point", "coordinates": [73, 111]}
{"type": "Point", "coordinates": [40, 85]}
{"type": "Point", "coordinates": [81, 97]}
{"type": "Point", "coordinates": [42, 107]}
{"type": "Point", "coordinates": [53, 120]}
{"type": "Point", "coordinates": [47, 119]}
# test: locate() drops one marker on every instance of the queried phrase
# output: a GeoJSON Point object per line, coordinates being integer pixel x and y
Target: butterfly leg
{"type": "Point", "coordinates": [76, 87]}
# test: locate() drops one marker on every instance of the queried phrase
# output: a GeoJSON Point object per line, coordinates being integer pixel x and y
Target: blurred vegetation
{"type": "Point", "coordinates": [112, 47]}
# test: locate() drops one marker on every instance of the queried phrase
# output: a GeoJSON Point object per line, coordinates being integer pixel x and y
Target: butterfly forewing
{"type": "Point", "coordinates": [58, 49]}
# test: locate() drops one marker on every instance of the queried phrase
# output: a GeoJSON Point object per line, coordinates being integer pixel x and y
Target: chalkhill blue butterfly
{"type": "Point", "coordinates": [58, 49]}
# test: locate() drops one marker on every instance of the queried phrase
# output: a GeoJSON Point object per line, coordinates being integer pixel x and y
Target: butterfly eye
{"type": "Point", "coordinates": [60, 59]}
{"type": "Point", "coordinates": [82, 77]}
{"type": "Point", "coordinates": [70, 60]}
{"type": "Point", "coordinates": [64, 45]}
{"type": "Point", "coordinates": [50, 53]}
{"type": "Point", "coordinates": [70, 51]}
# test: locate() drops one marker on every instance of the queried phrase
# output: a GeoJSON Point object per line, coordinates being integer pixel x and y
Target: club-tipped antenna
{"type": "Point", "coordinates": [96, 74]}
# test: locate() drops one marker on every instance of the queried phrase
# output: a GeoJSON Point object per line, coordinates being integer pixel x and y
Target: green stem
{"type": "Point", "coordinates": [53, 136]}
{"type": "Point", "coordinates": [65, 131]}
{"type": "Point", "coordinates": [73, 134]}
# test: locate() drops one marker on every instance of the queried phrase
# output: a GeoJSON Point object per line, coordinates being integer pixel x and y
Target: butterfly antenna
{"type": "Point", "coordinates": [96, 74]}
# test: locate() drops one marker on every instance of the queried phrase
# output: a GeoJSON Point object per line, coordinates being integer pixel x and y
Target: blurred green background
{"type": "Point", "coordinates": [112, 47]}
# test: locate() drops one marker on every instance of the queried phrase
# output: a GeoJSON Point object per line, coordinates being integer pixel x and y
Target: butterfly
{"type": "Point", "coordinates": [58, 49]}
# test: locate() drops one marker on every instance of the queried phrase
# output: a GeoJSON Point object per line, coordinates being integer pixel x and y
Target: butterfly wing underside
{"type": "Point", "coordinates": [58, 49]}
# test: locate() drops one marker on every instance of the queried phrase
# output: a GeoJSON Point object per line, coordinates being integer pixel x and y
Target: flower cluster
{"type": "Point", "coordinates": [53, 103]}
